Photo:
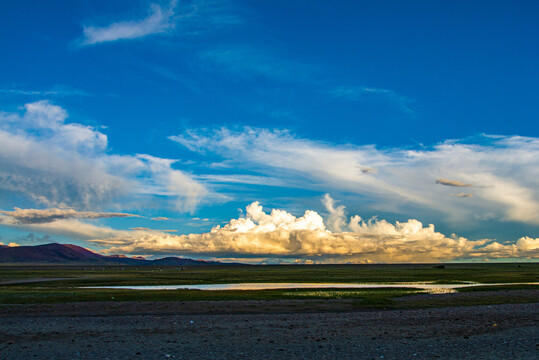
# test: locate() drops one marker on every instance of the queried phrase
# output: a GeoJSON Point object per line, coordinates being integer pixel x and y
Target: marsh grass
{"type": "Point", "coordinates": [352, 294]}
{"type": "Point", "coordinates": [26, 295]}
{"type": "Point", "coordinates": [499, 288]}
{"type": "Point", "coordinates": [73, 278]}
{"type": "Point", "coordinates": [151, 275]}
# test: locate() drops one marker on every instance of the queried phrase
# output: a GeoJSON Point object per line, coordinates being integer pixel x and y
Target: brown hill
{"type": "Point", "coordinates": [48, 253]}
{"type": "Point", "coordinates": [72, 254]}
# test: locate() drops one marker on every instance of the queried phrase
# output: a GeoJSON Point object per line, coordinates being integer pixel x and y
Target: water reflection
{"type": "Point", "coordinates": [430, 287]}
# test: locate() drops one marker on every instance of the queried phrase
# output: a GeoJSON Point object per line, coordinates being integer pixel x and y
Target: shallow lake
{"type": "Point", "coordinates": [433, 288]}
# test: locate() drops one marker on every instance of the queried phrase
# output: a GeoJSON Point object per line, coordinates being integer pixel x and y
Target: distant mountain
{"type": "Point", "coordinates": [182, 261]}
{"type": "Point", "coordinates": [72, 255]}
{"type": "Point", "coordinates": [48, 253]}
{"type": "Point", "coordinates": [127, 257]}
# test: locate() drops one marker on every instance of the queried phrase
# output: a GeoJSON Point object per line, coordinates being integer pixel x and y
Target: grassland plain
{"type": "Point", "coordinates": [45, 314]}
{"type": "Point", "coordinates": [61, 284]}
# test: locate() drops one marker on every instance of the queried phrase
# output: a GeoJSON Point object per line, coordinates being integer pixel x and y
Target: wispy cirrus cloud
{"type": "Point", "coordinates": [363, 93]}
{"type": "Point", "coordinates": [187, 18]}
{"type": "Point", "coordinates": [56, 91]}
{"type": "Point", "coordinates": [253, 62]}
{"type": "Point", "coordinates": [159, 20]}
{"type": "Point", "coordinates": [403, 178]}
{"type": "Point", "coordinates": [249, 61]}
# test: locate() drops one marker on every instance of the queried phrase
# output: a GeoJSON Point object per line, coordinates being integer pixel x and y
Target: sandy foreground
{"type": "Point", "coordinates": [285, 330]}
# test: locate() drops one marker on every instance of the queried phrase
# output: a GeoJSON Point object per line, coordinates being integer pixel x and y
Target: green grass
{"type": "Point", "coordinates": [99, 276]}
{"type": "Point", "coordinates": [499, 288]}
{"type": "Point", "coordinates": [69, 290]}
{"type": "Point", "coordinates": [512, 297]}
{"type": "Point", "coordinates": [25, 295]}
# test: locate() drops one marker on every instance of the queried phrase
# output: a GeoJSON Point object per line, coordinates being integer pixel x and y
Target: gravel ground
{"type": "Point", "coordinates": [85, 332]}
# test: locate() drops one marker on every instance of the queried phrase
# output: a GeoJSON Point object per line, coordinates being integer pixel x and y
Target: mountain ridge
{"type": "Point", "coordinates": [65, 254]}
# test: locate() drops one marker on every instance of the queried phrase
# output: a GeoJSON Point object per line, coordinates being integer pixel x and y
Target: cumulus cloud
{"type": "Point", "coordinates": [35, 216]}
{"type": "Point", "coordinates": [336, 220]}
{"type": "Point", "coordinates": [11, 244]}
{"type": "Point", "coordinates": [403, 179]}
{"type": "Point", "coordinates": [528, 244]}
{"type": "Point", "coordinates": [67, 165]}
{"type": "Point", "coordinates": [281, 234]}
{"type": "Point", "coordinates": [159, 20]}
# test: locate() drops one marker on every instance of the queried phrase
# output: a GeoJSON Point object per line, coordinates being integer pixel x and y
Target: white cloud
{"type": "Point", "coordinates": [57, 90]}
{"type": "Point", "coordinates": [241, 179]}
{"type": "Point", "coordinates": [403, 178]}
{"type": "Point", "coordinates": [336, 220]}
{"type": "Point", "coordinates": [52, 174]}
{"type": "Point", "coordinates": [159, 20]}
{"type": "Point", "coordinates": [528, 244]}
{"type": "Point", "coordinates": [281, 234]}
{"type": "Point", "coordinates": [188, 18]}
{"type": "Point", "coordinates": [36, 216]}
{"type": "Point", "coordinates": [358, 92]}
{"type": "Point", "coordinates": [67, 165]}
{"type": "Point", "coordinates": [187, 190]}
{"type": "Point", "coordinates": [75, 229]}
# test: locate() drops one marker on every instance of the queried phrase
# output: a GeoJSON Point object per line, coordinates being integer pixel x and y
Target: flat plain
{"type": "Point", "coordinates": [46, 312]}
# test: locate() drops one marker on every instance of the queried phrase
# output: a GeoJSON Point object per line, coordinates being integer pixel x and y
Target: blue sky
{"type": "Point", "coordinates": [113, 114]}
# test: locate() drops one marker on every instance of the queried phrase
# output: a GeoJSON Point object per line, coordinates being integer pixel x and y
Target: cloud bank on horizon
{"type": "Point", "coordinates": [281, 235]}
